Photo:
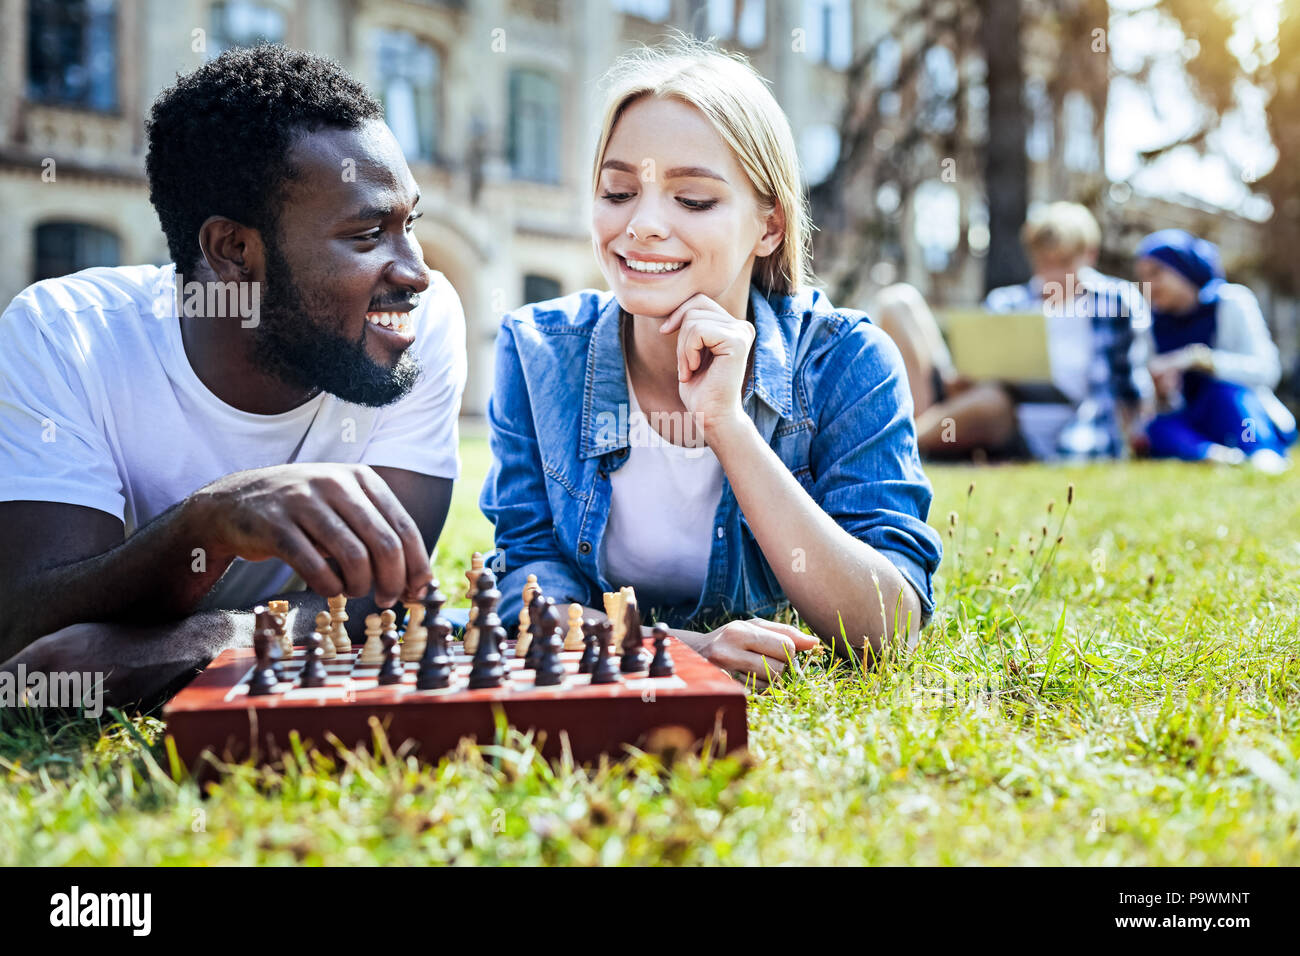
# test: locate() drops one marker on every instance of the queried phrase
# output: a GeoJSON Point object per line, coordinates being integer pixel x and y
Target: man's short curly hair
{"type": "Point", "coordinates": [219, 138]}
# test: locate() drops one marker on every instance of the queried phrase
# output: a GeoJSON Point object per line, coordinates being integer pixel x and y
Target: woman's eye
{"type": "Point", "coordinates": [698, 204]}
{"type": "Point", "coordinates": [616, 197]}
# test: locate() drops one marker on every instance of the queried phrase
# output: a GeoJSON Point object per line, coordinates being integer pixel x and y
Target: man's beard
{"type": "Point", "coordinates": [296, 341]}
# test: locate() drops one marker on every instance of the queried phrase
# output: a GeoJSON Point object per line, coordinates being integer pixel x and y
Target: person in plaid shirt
{"type": "Point", "coordinates": [1097, 344]}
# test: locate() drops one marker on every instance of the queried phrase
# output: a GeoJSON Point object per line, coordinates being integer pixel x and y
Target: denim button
{"type": "Point", "coordinates": [584, 547]}
{"type": "Point", "coordinates": [721, 531]}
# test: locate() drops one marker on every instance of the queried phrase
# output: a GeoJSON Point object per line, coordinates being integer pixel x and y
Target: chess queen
{"type": "Point", "coordinates": [710, 429]}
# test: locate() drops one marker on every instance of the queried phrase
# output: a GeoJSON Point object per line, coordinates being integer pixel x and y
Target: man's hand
{"type": "Point", "coordinates": [756, 651]}
{"type": "Point", "coordinates": [309, 515]}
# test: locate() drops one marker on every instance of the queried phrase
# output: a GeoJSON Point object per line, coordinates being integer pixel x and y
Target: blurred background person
{"type": "Point", "coordinates": [1099, 380]}
{"type": "Point", "coordinates": [1215, 364]}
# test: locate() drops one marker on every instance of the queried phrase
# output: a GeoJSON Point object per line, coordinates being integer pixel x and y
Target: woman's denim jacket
{"type": "Point", "coordinates": [828, 392]}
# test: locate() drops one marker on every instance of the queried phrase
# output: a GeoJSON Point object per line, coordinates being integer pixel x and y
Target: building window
{"type": "Point", "coordinates": [656, 11]}
{"type": "Point", "coordinates": [241, 23]}
{"type": "Point", "coordinates": [72, 53]}
{"type": "Point", "coordinates": [534, 143]}
{"type": "Point", "coordinates": [830, 31]}
{"type": "Point", "coordinates": [410, 77]}
{"type": "Point", "coordinates": [746, 20]}
{"type": "Point", "coordinates": [540, 288]}
{"type": "Point", "coordinates": [66, 247]}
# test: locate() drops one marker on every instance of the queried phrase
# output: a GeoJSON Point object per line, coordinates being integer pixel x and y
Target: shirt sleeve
{"type": "Point", "coordinates": [1244, 352]}
{"type": "Point", "coordinates": [514, 493]}
{"type": "Point", "coordinates": [419, 432]}
{"type": "Point", "coordinates": [866, 469]}
{"type": "Point", "coordinates": [52, 447]}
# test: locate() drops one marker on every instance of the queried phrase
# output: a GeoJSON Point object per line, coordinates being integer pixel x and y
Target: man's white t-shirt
{"type": "Point", "coordinates": [100, 407]}
{"type": "Point", "coordinates": [663, 501]}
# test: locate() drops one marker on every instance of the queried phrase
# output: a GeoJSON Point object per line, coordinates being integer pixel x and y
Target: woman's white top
{"type": "Point", "coordinates": [662, 504]}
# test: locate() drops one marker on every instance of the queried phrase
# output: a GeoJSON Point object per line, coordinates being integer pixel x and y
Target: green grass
{"type": "Point", "coordinates": [1128, 696]}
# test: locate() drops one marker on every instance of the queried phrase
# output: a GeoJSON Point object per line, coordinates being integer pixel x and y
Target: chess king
{"type": "Point", "coordinates": [167, 453]}
{"type": "Point", "coordinates": [715, 433]}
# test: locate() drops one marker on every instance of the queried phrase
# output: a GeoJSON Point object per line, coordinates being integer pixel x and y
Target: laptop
{"type": "Point", "coordinates": [1007, 347]}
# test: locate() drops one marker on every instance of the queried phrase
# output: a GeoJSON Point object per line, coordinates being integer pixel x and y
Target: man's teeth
{"type": "Point", "coordinates": [638, 265]}
{"type": "Point", "coordinates": [390, 320]}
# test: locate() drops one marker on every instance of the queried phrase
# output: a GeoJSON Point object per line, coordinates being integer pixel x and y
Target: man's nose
{"type": "Point", "coordinates": [409, 270]}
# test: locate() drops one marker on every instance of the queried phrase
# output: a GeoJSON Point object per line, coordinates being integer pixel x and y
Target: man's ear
{"type": "Point", "coordinates": [774, 234]}
{"type": "Point", "coordinates": [232, 250]}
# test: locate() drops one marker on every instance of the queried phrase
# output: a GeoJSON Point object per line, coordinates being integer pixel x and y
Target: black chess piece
{"type": "Point", "coordinates": [390, 669]}
{"type": "Point", "coordinates": [488, 670]}
{"type": "Point", "coordinates": [264, 620]}
{"type": "Point", "coordinates": [313, 665]}
{"type": "Point", "coordinates": [605, 671]}
{"type": "Point", "coordinates": [634, 655]}
{"type": "Point", "coordinates": [263, 680]}
{"type": "Point", "coordinates": [547, 619]}
{"type": "Point", "coordinates": [435, 665]}
{"type": "Point", "coordinates": [550, 669]}
{"type": "Point", "coordinates": [662, 665]}
{"type": "Point", "coordinates": [587, 663]}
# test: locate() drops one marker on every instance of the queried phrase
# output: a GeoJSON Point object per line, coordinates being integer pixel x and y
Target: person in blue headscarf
{"type": "Point", "coordinates": [1215, 364]}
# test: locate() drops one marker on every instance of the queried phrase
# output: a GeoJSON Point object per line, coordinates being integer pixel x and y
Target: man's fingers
{"type": "Point", "coordinates": [418, 570]}
{"type": "Point", "coordinates": [384, 546]}
{"type": "Point", "coordinates": [296, 550]}
{"type": "Point", "coordinates": [336, 539]}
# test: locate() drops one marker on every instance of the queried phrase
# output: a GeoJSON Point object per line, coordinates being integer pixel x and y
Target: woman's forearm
{"type": "Point", "coordinates": [832, 579]}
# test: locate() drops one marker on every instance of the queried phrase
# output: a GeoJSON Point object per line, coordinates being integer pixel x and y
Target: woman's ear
{"type": "Point", "coordinates": [775, 232]}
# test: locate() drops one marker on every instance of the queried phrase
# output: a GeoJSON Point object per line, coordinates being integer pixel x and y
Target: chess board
{"type": "Point", "coordinates": [216, 713]}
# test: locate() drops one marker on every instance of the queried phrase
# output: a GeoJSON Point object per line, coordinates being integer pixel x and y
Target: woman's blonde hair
{"type": "Point", "coordinates": [735, 99]}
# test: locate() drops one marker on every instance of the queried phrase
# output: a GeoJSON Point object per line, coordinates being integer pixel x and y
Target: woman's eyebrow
{"type": "Point", "coordinates": [677, 172]}
{"type": "Point", "coordinates": [693, 172]}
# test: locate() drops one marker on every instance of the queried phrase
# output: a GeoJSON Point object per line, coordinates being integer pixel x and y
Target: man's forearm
{"type": "Point", "coordinates": [159, 573]}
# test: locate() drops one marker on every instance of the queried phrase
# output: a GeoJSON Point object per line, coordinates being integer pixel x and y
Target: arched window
{"type": "Point", "coordinates": [65, 247]}
{"type": "Point", "coordinates": [534, 145]}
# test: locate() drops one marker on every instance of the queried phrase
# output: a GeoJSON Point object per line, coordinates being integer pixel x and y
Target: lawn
{"type": "Point", "coordinates": [1112, 680]}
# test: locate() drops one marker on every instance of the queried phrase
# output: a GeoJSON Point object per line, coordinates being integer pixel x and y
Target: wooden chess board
{"type": "Point", "coordinates": [215, 713]}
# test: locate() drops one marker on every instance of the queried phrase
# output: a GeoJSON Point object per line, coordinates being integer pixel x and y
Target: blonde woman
{"type": "Point", "coordinates": [709, 430]}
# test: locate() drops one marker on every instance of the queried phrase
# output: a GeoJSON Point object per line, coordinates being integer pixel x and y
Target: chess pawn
{"type": "Point", "coordinates": [573, 639]}
{"type": "Point", "coordinates": [606, 670]}
{"type": "Point", "coordinates": [488, 670]}
{"type": "Point", "coordinates": [523, 636]}
{"type": "Point", "coordinates": [327, 651]}
{"type": "Point", "coordinates": [313, 669]}
{"type": "Point", "coordinates": [550, 669]}
{"type": "Point", "coordinates": [338, 619]}
{"type": "Point", "coordinates": [372, 652]}
{"type": "Point", "coordinates": [662, 665]}
{"type": "Point", "coordinates": [263, 680]}
{"type": "Point", "coordinates": [414, 639]}
{"type": "Point", "coordinates": [390, 668]}
{"type": "Point", "coordinates": [587, 663]}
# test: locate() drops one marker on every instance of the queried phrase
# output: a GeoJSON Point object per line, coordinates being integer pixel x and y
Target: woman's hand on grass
{"type": "Point", "coordinates": [756, 651]}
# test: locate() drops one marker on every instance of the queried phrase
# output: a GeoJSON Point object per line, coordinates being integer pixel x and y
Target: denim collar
{"type": "Point", "coordinates": [605, 390]}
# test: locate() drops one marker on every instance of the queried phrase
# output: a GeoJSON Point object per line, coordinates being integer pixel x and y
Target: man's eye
{"type": "Point", "coordinates": [371, 236]}
{"type": "Point", "coordinates": [410, 223]}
